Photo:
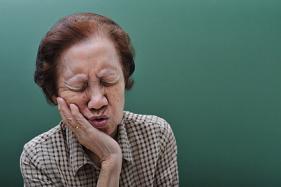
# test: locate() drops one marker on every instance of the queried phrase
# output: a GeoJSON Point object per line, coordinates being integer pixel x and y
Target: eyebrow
{"type": "Point", "coordinates": [78, 77]}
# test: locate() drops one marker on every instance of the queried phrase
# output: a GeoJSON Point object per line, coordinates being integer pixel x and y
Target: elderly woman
{"type": "Point", "coordinates": [84, 64]}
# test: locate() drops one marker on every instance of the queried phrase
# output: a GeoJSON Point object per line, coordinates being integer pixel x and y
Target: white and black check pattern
{"type": "Point", "coordinates": [55, 158]}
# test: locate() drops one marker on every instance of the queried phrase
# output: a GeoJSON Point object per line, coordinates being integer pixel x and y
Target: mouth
{"type": "Point", "coordinates": [99, 122]}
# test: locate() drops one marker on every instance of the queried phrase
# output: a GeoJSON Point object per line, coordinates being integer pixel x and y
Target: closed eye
{"type": "Point", "coordinates": [108, 83]}
{"type": "Point", "coordinates": [75, 88]}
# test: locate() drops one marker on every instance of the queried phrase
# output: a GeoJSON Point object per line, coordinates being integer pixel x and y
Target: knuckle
{"type": "Point", "coordinates": [80, 121]}
{"type": "Point", "coordinates": [70, 120]}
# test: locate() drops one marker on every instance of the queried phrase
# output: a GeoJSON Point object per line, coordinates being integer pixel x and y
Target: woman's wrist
{"type": "Point", "coordinates": [110, 171]}
{"type": "Point", "coordinates": [112, 163]}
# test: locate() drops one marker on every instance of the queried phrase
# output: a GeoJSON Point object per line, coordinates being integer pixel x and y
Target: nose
{"type": "Point", "coordinates": [97, 99]}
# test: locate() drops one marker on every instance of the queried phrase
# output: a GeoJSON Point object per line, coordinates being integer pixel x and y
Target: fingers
{"type": "Point", "coordinates": [94, 140]}
{"type": "Point", "coordinates": [66, 115]}
{"type": "Point", "coordinates": [79, 118]}
{"type": "Point", "coordinates": [72, 116]}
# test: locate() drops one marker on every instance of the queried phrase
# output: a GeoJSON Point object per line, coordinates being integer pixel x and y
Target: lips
{"type": "Point", "coordinates": [99, 121]}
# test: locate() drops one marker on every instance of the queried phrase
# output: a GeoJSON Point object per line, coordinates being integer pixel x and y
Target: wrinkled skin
{"type": "Point", "coordinates": [91, 84]}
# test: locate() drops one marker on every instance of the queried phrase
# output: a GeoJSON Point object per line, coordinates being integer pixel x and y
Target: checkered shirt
{"type": "Point", "coordinates": [55, 158]}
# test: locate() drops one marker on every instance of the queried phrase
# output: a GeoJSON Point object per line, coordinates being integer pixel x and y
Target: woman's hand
{"type": "Point", "coordinates": [102, 145]}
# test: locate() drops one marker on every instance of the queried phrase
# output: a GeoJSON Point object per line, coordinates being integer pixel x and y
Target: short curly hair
{"type": "Point", "coordinates": [71, 30]}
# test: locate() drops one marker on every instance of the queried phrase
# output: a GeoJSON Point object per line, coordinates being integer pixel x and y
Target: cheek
{"type": "Point", "coordinates": [116, 96]}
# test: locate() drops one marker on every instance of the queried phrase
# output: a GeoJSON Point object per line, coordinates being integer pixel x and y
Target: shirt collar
{"type": "Point", "coordinates": [77, 155]}
{"type": "Point", "coordinates": [124, 142]}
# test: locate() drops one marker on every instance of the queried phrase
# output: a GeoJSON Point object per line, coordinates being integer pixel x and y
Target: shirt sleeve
{"type": "Point", "coordinates": [31, 172]}
{"type": "Point", "coordinates": [167, 167]}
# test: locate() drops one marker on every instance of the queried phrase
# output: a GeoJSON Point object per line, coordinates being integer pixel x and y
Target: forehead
{"type": "Point", "coordinates": [94, 55]}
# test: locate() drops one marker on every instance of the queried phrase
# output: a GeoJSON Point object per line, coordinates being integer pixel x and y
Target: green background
{"type": "Point", "coordinates": [212, 68]}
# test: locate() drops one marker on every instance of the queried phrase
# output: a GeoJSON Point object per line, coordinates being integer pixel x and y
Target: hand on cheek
{"type": "Point", "coordinates": [65, 113]}
{"type": "Point", "coordinates": [76, 122]}
{"type": "Point", "coordinates": [104, 146]}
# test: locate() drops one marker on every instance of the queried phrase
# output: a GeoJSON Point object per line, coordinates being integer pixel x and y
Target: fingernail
{"type": "Point", "coordinates": [58, 102]}
{"type": "Point", "coordinates": [72, 106]}
{"type": "Point", "coordinates": [59, 99]}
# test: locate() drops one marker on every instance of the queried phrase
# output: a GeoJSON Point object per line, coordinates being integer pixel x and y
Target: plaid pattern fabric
{"type": "Point", "coordinates": [55, 158]}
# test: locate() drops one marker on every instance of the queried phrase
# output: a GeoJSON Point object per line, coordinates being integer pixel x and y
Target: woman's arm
{"type": "Point", "coordinates": [110, 172]}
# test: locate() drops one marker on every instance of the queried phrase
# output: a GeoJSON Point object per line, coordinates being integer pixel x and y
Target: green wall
{"type": "Point", "coordinates": [212, 68]}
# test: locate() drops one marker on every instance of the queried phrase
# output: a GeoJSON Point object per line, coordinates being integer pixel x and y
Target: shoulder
{"type": "Point", "coordinates": [147, 126]}
{"type": "Point", "coordinates": [43, 145]}
{"type": "Point", "coordinates": [150, 121]}
{"type": "Point", "coordinates": [44, 139]}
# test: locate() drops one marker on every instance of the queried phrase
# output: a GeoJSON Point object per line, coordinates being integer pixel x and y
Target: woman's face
{"type": "Point", "coordinates": [90, 76]}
